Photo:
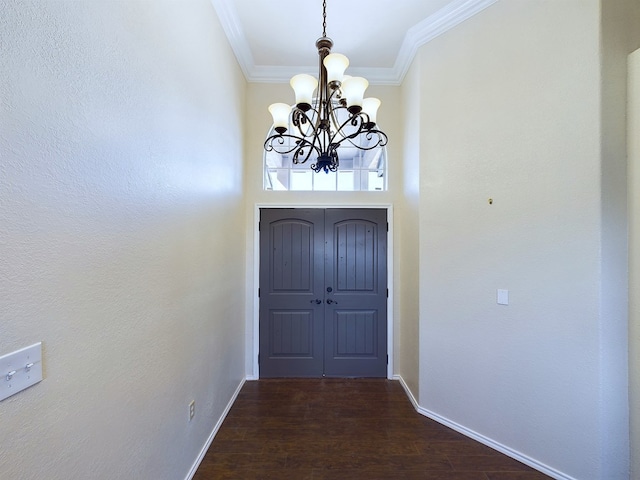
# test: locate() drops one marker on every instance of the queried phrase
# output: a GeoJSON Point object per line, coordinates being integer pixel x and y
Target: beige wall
{"type": "Point", "coordinates": [259, 97]}
{"type": "Point", "coordinates": [510, 110]}
{"type": "Point", "coordinates": [121, 163]}
{"type": "Point", "coordinates": [408, 233]}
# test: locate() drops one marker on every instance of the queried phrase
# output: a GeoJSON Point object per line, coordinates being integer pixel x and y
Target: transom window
{"type": "Point", "coordinates": [359, 170]}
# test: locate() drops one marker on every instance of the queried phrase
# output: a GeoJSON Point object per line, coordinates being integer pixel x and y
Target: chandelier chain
{"type": "Point", "coordinates": [324, 18]}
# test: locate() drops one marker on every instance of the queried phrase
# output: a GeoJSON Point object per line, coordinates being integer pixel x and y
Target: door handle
{"type": "Point", "coordinates": [317, 301]}
{"type": "Point", "coordinates": [330, 301]}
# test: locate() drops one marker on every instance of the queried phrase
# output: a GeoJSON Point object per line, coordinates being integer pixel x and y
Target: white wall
{"type": "Point", "coordinates": [510, 110]}
{"type": "Point", "coordinates": [634, 257]}
{"type": "Point", "coordinates": [120, 163]}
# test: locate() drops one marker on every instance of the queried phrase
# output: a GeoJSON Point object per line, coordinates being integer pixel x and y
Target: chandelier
{"type": "Point", "coordinates": [337, 115]}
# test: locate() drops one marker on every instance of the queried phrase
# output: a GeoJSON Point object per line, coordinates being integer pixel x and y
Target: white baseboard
{"type": "Point", "coordinates": [216, 427]}
{"type": "Point", "coordinates": [481, 438]}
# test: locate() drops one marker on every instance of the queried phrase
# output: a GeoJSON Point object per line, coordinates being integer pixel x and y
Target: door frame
{"type": "Point", "coordinates": [253, 339]}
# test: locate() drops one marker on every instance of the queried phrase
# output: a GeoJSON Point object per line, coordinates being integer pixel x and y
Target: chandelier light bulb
{"type": "Point", "coordinates": [353, 90]}
{"type": "Point", "coordinates": [280, 113]}
{"type": "Point", "coordinates": [336, 64]}
{"type": "Point", "coordinates": [370, 107]}
{"type": "Point", "coordinates": [304, 85]}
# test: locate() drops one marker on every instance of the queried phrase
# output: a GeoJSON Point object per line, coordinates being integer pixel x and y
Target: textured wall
{"type": "Point", "coordinates": [511, 111]}
{"type": "Point", "coordinates": [120, 166]}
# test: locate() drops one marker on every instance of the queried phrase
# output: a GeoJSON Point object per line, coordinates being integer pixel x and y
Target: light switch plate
{"type": "Point", "coordinates": [20, 370]}
{"type": "Point", "coordinates": [503, 297]}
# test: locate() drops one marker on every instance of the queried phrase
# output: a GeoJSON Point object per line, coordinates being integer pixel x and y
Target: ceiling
{"type": "Point", "coordinates": [274, 40]}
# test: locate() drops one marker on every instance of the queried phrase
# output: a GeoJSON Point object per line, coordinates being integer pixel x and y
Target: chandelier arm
{"type": "Point", "coordinates": [360, 120]}
{"type": "Point", "coordinates": [381, 142]}
{"type": "Point", "coordinates": [370, 134]}
{"type": "Point", "coordinates": [279, 139]}
{"type": "Point", "coordinates": [300, 118]}
{"type": "Point", "coordinates": [356, 121]}
{"type": "Point", "coordinates": [302, 144]}
{"type": "Point", "coordinates": [276, 143]}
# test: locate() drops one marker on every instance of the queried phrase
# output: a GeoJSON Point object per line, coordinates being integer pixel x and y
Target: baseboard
{"type": "Point", "coordinates": [217, 426]}
{"type": "Point", "coordinates": [481, 438]}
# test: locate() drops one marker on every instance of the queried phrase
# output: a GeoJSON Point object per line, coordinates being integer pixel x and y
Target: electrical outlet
{"type": "Point", "coordinates": [192, 409]}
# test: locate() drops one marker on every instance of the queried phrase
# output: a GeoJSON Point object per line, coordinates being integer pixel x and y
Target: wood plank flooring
{"type": "Point", "coordinates": [351, 429]}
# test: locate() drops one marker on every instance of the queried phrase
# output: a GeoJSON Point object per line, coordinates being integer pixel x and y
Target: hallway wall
{"type": "Point", "coordinates": [121, 162]}
{"type": "Point", "coordinates": [510, 111]}
{"type": "Point", "coordinates": [409, 233]}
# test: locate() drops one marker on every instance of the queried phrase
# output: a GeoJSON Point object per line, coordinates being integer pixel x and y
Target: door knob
{"type": "Point", "coordinates": [329, 301]}
{"type": "Point", "coordinates": [317, 301]}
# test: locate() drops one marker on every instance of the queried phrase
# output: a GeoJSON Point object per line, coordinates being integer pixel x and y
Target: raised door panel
{"type": "Point", "coordinates": [291, 263]}
{"type": "Point", "coordinates": [291, 283]}
{"type": "Point", "coordinates": [355, 256]}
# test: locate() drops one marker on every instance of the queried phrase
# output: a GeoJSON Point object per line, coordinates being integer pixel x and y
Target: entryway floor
{"type": "Point", "coordinates": [351, 429]}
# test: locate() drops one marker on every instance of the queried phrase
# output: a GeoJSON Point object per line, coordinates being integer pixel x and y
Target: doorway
{"type": "Point", "coordinates": [323, 292]}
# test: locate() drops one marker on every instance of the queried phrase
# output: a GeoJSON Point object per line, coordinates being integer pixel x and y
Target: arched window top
{"type": "Point", "coordinates": [359, 170]}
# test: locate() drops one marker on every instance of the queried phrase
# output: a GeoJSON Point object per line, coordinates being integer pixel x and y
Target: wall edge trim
{"type": "Point", "coordinates": [541, 467]}
{"type": "Point", "coordinates": [216, 427]}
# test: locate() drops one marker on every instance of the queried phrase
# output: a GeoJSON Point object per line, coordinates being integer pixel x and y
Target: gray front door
{"type": "Point", "coordinates": [323, 293]}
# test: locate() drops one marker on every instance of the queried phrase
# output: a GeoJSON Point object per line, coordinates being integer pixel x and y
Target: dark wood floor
{"type": "Point", "coordinates": [344, 429]}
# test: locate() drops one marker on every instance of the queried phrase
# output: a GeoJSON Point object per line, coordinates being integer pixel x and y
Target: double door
{"type": "Point", "coordinates": [323, 293]}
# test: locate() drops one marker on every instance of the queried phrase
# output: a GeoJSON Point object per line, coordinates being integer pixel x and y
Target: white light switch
{"type": "Point", "coordinates": [20, 370]}
{"type": "Point", "coordinates": [503, 297]}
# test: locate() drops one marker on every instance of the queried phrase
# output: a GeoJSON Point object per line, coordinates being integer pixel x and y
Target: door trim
{"type": "Point", "coordinates": [253, 330]}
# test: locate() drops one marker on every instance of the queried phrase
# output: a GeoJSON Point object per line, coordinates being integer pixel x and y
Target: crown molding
{"type": "Point", "coordinates": [431, 27]}
{"type": "Point", "coordinates": [235, 34]}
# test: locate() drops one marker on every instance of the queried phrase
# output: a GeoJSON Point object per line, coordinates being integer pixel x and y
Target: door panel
{"type": "Point", "coordinates": [355, 333]}
{"type": "Point", "coordinates": [355, 263]}
{"type": "Point", "coordinates": [356, 306]}
{"type": "Point", "coordinates": [291, 256]}
{"type": "Point", "coordinates": [291, 334]}
{"type": "Point", "coordinates": [323, 293]}
{"type": "Point", "coordinates": [291, 284]}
